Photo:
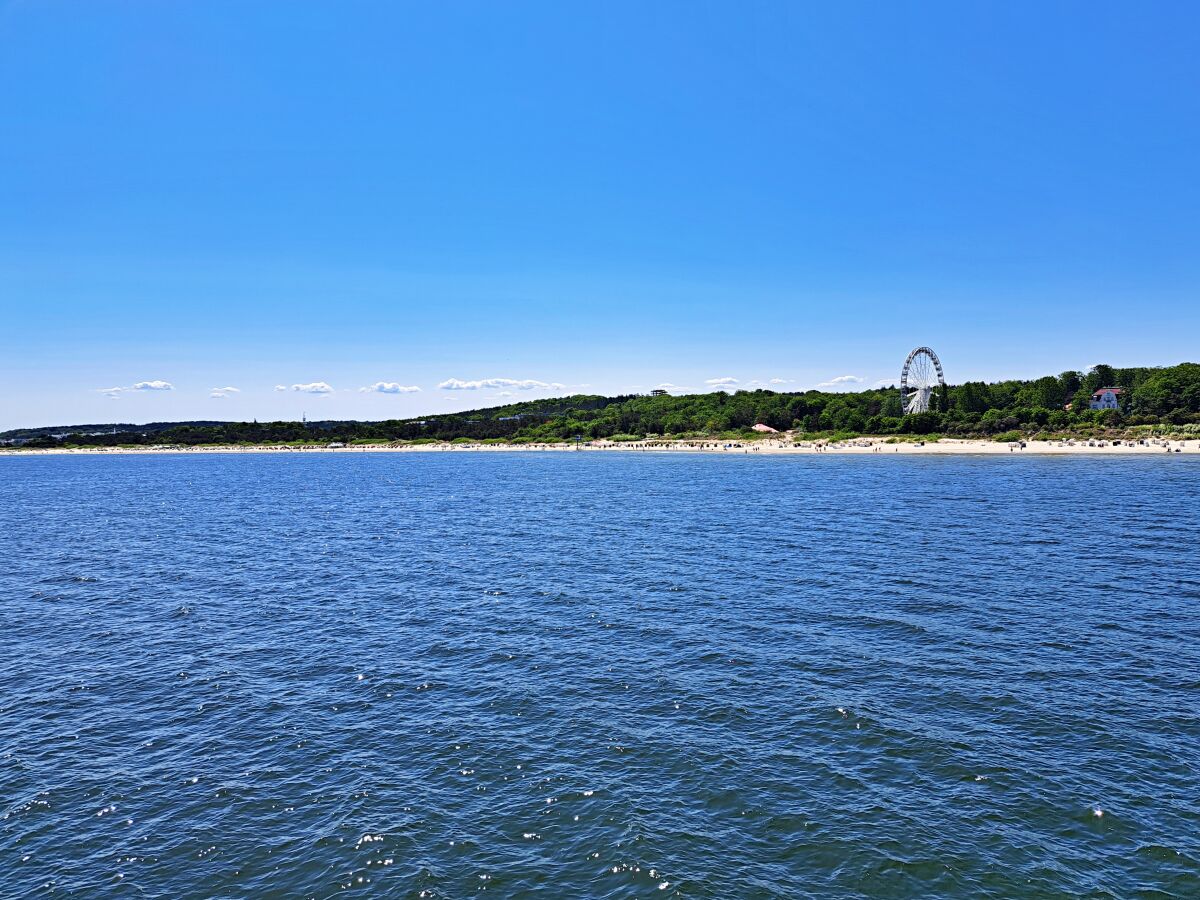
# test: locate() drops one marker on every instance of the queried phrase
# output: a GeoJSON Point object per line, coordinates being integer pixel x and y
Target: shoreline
{"type": "Point", "coordinates": [767, 446]}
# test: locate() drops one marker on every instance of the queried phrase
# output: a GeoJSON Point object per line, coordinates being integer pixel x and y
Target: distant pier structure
{"type": "Point", "coordinates": [921, 380]}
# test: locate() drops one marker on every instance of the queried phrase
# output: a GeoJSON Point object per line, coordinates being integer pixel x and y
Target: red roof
{"type": "Point", "coordinates": [1108, 391]}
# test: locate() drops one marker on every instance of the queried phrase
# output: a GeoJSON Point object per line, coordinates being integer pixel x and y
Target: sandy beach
{"type": "Point", "coordinates": [780, 446]}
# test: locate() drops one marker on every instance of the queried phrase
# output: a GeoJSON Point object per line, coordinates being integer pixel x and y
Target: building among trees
{"type": "Point", "coordinates": [1106, 398]}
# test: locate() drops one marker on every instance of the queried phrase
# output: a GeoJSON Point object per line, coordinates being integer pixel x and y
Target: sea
{"type": "Point", "coordinates": [607, 675]}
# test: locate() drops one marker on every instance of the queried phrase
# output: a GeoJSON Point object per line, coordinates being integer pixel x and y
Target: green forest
{"type": "Point", "coordinates": [1052, 406]}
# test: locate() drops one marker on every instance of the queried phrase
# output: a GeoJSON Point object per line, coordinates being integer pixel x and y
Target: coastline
{"type": "Point", "coordinates": [858, 446]}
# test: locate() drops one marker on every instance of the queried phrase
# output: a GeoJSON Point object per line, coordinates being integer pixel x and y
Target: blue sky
{"type": "Point", "coordinates": [604, 197]}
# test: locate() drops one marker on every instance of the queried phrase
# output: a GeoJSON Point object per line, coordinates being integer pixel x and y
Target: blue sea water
{"type": "Point", "coordinates": [601, 675]}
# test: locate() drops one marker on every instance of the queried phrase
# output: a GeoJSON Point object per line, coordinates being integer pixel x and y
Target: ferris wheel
{"type": "Point", "coordinates": [920, 381]}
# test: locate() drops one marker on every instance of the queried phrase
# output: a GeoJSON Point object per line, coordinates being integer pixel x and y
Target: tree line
{"type": "Point", "coordinates": [1167, 396]}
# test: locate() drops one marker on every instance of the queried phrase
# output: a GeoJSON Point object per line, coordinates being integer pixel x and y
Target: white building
{"type": "Point", "coordinates": [1106, 398]}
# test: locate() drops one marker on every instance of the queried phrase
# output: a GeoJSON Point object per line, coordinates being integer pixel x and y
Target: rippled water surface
{"type": "Point", "coordinates": [599, 675]}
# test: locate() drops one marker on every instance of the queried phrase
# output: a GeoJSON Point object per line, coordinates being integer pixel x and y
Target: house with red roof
{"type": "Point", "coordinates": [1106, 398]}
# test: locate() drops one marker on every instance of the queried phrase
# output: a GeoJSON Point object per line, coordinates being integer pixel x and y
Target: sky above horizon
{"type": "Point", "coordinates": [237, 210]}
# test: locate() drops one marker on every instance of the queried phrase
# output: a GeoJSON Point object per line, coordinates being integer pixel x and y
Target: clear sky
{"type": "Point", "coordinates": [605, 196]}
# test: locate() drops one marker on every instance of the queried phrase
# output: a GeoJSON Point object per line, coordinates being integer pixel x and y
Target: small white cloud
{"type": "Point", "coordinates": [885, 382]}
{"type": "Point", "coordinates": [219, 392]}
{"type": "Point", "coordinates": [115, 392]}
{"type": "Point", "coordinates": [671, 388]}
{"type": "Point", "coordinates": [526, 384]}
{"type": "Point", "coordinates": [389, 387]}
{"type": "Point", "coordinates": [506, 394]}
{"type": "Point", "coordinates": [721, 382]}
{"type": "Point", "coordinates": [841, 382]}
{"type": "Point", "coordinates": [315, 387]}
{"type": "Point", "coordinates": [281, 387]}
{"type": "Point", "coordinates": [780, 381]}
